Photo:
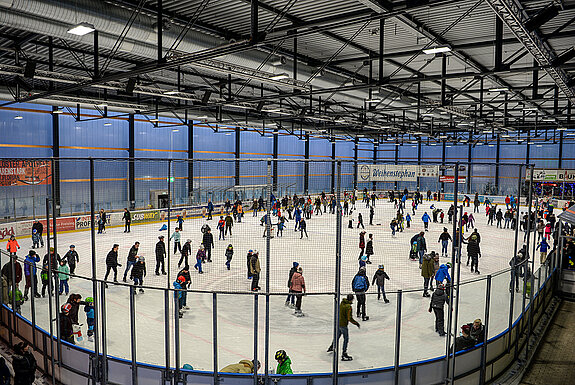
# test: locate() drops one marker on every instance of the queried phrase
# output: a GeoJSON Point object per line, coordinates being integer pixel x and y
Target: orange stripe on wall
{"type": "Point", "coordinates": [24, 145]}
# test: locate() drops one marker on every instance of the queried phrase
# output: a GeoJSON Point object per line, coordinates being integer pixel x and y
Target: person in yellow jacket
{"type": "Point", "coordinates": [244, 366]}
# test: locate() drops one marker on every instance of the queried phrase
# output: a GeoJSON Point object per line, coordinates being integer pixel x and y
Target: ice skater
{"type": "Point", "coordinates": [71, 258]}
{"type": "Point", "coordinates": [361, 244]}
{"type": "Point", "coordinates": [369, 248]}
{"type": "Point", "coordinates": [208, 242]}
{"type": "Point", "coordinates": [160, 255]}
{"type": "Point", "coordinates": [345, 317]}
{"type": "Point", "coordinates": [30, 274]}
{"type": "Point", "coordinates": [379, 279]}
{"type": "Point", "coordinates": [90, 317]}
{"type": "Point", "coordinates": [360, 221]}
{"type": "Point", "coordinates": [127, 218]}
{"type": "Point", "coordinates": [186, 251]}
{"type": "Point", "coordinates": [302, 228]}
{"type": "Point", "coordinates": [131, 259]}
{"type": "Point", "coordinates": [229, 254]}
{"type": "Point", "coordinates": [63, 277]}
{"type": "Point", "coordinates": [138, 273]}
{"type": "Point", "coordinates": [360, 285]}
{"type": "Point", "coordinates": [200, 258]}
{"type": "Point", "coordinates": [255, 270]}
{"type": "Point", "coordinates": [428, 271]}
{"type": "Point", "coordinates": [438, 300]}
{"type": "Point", "coordinates": [112, 263]}
{"type": "Point", "coordinates": [444, 238]}
{"type": "Point", "coordinates": [290, 300]}
{"type": "Point", "coordinates": [297, 287]}
{"type": "Point", "coordinates": [221, 226]}
{"type": "Point", "coordinates": [176, 236]}
{"type": "Point", "coordinates": [425, 218]}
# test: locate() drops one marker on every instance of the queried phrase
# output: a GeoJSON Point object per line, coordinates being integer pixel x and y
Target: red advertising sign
{"type": "Point", "coordinates": [450, 179]}
{"type": "Point", "coordinates": [25, 172]}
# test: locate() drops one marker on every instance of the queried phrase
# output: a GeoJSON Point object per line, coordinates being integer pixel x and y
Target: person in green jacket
{"type": "Point", "coordinates": [427, 272]}
{"type": "Point", "coordinates": [284, 363]}
{"type": "Point", "coordinates": [63, 276]}
{"type": "Point", "coordinates": [345, 317]}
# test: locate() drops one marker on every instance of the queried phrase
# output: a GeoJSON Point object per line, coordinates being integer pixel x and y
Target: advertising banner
{"type": "Point", "coordinates": [393, 173]}
{"type": "Point", "coordinates": [550, 175]}
{"type": "Point", "coordinates": [146, 216]}
{"type": "Point", "coordinates": [25, 172]}
{"type": "Point", "coordinates": [450, 179]}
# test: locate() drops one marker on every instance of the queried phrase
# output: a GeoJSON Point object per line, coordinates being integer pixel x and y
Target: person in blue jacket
{"type": "Point", "coordinates": [210, 209]}
{"type": "Point", "coordinates": [297, 218]}
{"type": "Point", "coordinates": [179, 295]}
{"type": "Point", "coordinates": [408, 220]}
{"type": "Point", "coordinates": [425, 218]}
{"type": "Point", "coordinates": [543, 247]}
{"type": "Point", "coordinates": [443, 273]}
{"type": "Point", "coordinates": [30, 273]}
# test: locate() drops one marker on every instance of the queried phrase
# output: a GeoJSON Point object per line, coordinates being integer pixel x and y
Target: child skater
{"type": "Point", "coordinates": [229, 255]}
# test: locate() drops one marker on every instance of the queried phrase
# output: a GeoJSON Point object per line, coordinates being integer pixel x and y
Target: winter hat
{"type": "Point", "coordinates": [188, 241]}
{"type": "Point", "coordinates": [380, 267]}
{"type": "Point", "coordinates": [299, 270]}
{"type": "Point", "coordinates": [465, 329]}
{"type": "Point", "coordinates": [161, 237]}
{"type": "Point", "coordinates": [72, 246]}
{"type": "Point", "coordinates": [364, 257]}
{"type": "Point", "coordinates": [141, 258]}
{"type": "Point", "coordinates": [361, 263]}
{"type": "Point", "coordinates": [295, 264]}
{"type": "Point", "coordinates": [250, 251]}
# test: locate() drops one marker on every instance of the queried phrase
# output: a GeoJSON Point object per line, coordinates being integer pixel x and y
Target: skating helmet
{"type": "Point", "coordinates": [281, 355]}
{"type": "Point", "coordinates": [181, 279]}
{"type": "Point", "coordinates": [66, 308]}
{"type": "Point", "coordinates": [89, 300]}
{"type": "Point", "coordinates": [441, 286]}
{"type": "Point", "coordinates": [448, 264]}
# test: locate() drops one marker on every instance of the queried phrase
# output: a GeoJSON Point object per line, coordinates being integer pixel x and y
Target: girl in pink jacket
{"type": "Point", "coordinates": [297, 286]}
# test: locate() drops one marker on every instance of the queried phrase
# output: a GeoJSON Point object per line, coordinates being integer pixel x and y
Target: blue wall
{"type": "Point", "coordinates": [31, 136]}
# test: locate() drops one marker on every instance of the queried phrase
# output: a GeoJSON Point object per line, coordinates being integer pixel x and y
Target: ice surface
{"type": "Point", "coordinates": [305, 339]}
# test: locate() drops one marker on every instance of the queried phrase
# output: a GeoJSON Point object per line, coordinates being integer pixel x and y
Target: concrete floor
{"type": "Point", "coordinates": [554, 362]}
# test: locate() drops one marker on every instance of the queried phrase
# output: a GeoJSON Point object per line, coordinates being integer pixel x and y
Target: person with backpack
{"type": "Point", "coordinates": [438, 300]}
{"type": "Point", "coordinates": [345, 317]}
{"type": "Point", "coordinates": [229, 254]}
{"type": "Point", "coordinates": [379, 278]}
{"type": "Point", "coordinates": [360, 285]}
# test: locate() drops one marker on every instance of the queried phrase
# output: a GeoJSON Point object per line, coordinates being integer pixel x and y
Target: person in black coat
{"type": "Point", "coordinates": [139, 272]}
{"type": "Point", "coordinates": [369, 248]}
{"type": "Point", "coordinates": [127, 218]}
{"type": "Point", "coordinates": [208, 242]}
{"type": "Point", "coordinates": [438, 299]}
{"type": "Point", "coordinates": [465, 341]}
{"type": "Point", "coordinates": [39, 230]}
{"type": "Point", "coordinates": [75, 300]}
{"type": "Point", "coordinates": [112, 262]}
{"type": "Point", "coordinates": [24, 364]}
{"type": "Point", "coordinates": [477, 331]}
{"type": "Point", "coordinates": [71, 258]}
{"type": "Point", "coordinates": [186, 251]}
{"type": "Point", "coordinates": [160, 255]}
{"type": "Point", "coordinates": [66, 328]}
{"type": "Point", "coordinates": [5, 375]}
{"type": "Point", "coordinates": [302, 228]}
{"type": "Point", "coordinates": [290, 300]}
{"type": "Point", "coordinates": [132, 254]}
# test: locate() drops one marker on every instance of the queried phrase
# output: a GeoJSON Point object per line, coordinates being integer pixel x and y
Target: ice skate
{"type": "Point", "coordinates": [186, 307]}
{"type": "Point", "coordinates": [330, 349]}
{"type": "Point", "coordinates": [346, 357]}
{"type": "Point", "coordinates": [141, 290]}
{"type": "Point", "coordinates": [365, 318]}
{"type": "Point", "coordinates": [298, 313]}
{"type": "Point", "coordinates": [426, 294]}
{"type": "Point", "coordinates": [386, 300]}
{"type": "Point", "coordinates": [91, 338]}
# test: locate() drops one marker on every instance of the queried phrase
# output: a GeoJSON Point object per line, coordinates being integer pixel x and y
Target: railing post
{"type": "Point", "coordinates": [337, 296]}
{"type": "Point", "coordinates": [485, 331]}
{"type": "Point", "coordinates": [50, 290]}
{"type": "Point", "coordinates": [256, 338]}
{"type": "Point", "coordinates": [397, 338]}
{"type": "Point", "coordinates": [215, 336]}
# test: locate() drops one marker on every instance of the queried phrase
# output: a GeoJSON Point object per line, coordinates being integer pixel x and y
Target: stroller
{"type": "Point", "coordinates": [413, 252]}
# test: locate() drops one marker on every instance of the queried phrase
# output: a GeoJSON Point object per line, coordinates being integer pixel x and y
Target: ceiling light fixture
{"type": "Point", "coordinates": [434, 50]}
{"type": "Point", "coordinates": [57, 112]}
{"type": "Point", "coordinates": [500, 89]}
{"type": "Point", "coordinates": [279, 76]}
{"type": "Point", "coordinates": [81, 29]}
{"type": "Point", "coordinates": [561, 128]}
{"type": "Point", "coordinates": [18, 117]}
{"type": "Point", "coordinates": [173, 92]}
{"type": "Point", "coordinates": [372, 100]}
{"type": "Point", "coordinates": [107, 124]}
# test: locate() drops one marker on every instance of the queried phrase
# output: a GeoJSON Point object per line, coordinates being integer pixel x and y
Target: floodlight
{"type": "Point", "coordinates": [81, 29]}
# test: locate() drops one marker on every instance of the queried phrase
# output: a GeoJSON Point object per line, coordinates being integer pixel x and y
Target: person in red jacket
{"type": "Point", "coordinates": [12, 245]}
{"type": "Point", "coordinates": [297, 286]}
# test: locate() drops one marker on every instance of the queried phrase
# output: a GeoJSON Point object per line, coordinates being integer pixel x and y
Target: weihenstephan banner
{"type": "Point", "coordinates": [394, 173]}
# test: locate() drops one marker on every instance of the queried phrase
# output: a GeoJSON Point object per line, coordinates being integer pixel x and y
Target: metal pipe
{"type": "Point", "coordinates": [268, 260]}
{"type": "Point", "coordinates": [95, 293]}
{"type": "Point", "coordinates": [215, 336]}
{"type": "Point", "coordinates": [456, 286]}
{"type": "Point", "coordinates": [50, 289]}
{"type": "Point", "coordinates": [169, 222]}
{"type": "Point", "coordinates": [133, 335]}
{"type": "Point", "coordinates": [167, 329]}
{"type": "Point", "coordinates": [104, 334]}
{"type": "Point", "coordinates": [337, 297]}
{"type": "Point", "coordinates": [485, 331]}
{"type": "Point", "coordinates": [454, 258]}
{"type": "Point", "coordinates": [514, 267]}
{"type": "Point", "coordinates": [177, 334]}
{"type": "Point", "coordinates": [397, 338]}
{"type": "Point", "coordinates": [256, 316]}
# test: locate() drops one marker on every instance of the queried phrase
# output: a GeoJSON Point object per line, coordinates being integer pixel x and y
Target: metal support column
{"type": "Point", "coordinates": [381, 46]}
{"type": "Point", "coordinates": [275, 162]}
{"type": "Point", "coordinates": [497, 157]}
{"type": "Point", "coordinates": [396, 161]}
{"type": "Point", "coordinates": [332, 184]}
{"type": "Point", "coordinates": [133, 335]}
{"type": "Point", "coordinates": [50, 294]}
{"type": "Point", "coordinates": [374, 184]}
{"type": "Point", "coordinates": [254, 27]}
{"type": "Point", "coordinates": [397, 338]}
{"type": "Point", "coordinates": [104, 364]}
{"type": "Point", "coordinates": [535, 83]}
{"type": "Point", "coordinates": [306, 165]}
{"type": "Point", "coordinates": [418, 162]}
{"type": "Point", "coordinates": [527, 150]}
{"type": "Point", "coordinates": [443, 156]}
{"type": "Point", "coordinates": [443, 79]}
{"type": "Point", "coordinates": [160, 26]}
{"type": "Point", "coordinates": [237, 156]}
{"type": "Point", "coordinates": [268, 264]}
{"type": "Point", "coordinates": [468, 181]}
{"type": "Point", "coordinates": [96, 56]}
{"type": "Point", "coordinates": [355, 151]}
{"type": "Point", "coordinates": [337, 288]}
{"type": "Point", "coordinates": [498, 44]}
{"type": "Point", "coordinates": [131, 165]}
{"type": "Point", "coordinates": [56, 163]}
{"type": "Point", "coordinates": [190, 158]}
{"type": "Point", "coordinates": [215, 336]}
{"type": "Point", "coordinates": [295, 58]}
{"type": "Point", "coordinates": [97, 367]}
{"type": "Point", "coordinates": [256, 321]}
